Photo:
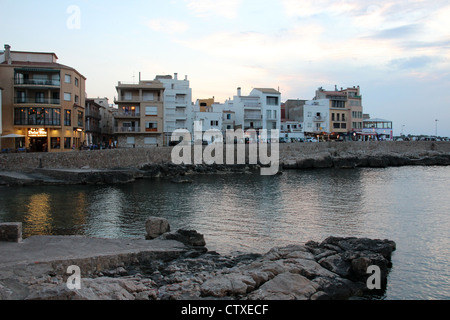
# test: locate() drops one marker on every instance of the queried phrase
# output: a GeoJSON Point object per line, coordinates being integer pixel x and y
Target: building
{"type": "Point", "coordinates": [43, 102]}
{"type": "Point", "coordinates": [139, 119]}
{"type": "Point", "coordinates": [208, 120]}
{"type": "Point", "coordinates": [377, 129]}
{"type": "Point", "coordinates": [92, 125]}
{"type": "Point", "coordinates": [346, 110]}
{"type": "Point", "coordinates": [106, 122]}
{"type": "Point", "coordinates": [177, 105]}
{"type": "Point", "coordinates": [316, 118]}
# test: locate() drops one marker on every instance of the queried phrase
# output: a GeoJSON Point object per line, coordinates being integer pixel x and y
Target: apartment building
{"type": "Point", "coordinates": [139, 119]}
{"type": "Point", "coordinates": [43, 102]}
{"type": "Point", "coordinates": [177, 105]}
{"type": "Point", "coordinates": [345, 109]}
{"type": "Point", "coordinates": [106, 121]}
{"type": "Point", "coordinates": [92, 125]}
{"type": "Point", "coordinates": [316, 117]}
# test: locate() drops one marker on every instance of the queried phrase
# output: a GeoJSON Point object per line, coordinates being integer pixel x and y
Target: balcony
{"type": "Point", "coordinates": [37, 101]}
{"type": "Point", "coordinates": [128, 114]}
{"type": "Point", "coordinates": [127, 129]}
{"type": "Point", "coordinates": [319, 119]}
{"type": "Point", "coordinates": [37, 82]}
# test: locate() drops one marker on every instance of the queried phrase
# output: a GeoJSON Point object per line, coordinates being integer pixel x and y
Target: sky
{"type": "Point", "coordinates": [398, 52]}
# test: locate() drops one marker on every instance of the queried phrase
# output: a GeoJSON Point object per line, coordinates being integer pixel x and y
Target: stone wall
{"type": "Point", "coordinates": [136, 157]}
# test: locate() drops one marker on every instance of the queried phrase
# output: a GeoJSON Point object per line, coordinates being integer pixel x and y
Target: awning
{"type": "Point", "coordinates": [13, 135]}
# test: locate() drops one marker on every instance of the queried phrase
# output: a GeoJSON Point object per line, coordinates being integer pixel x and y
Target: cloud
{"type": "Point", "coordinates": [167, 26]}
{"type": "Point", "coordinates": [207, 8]}
{"type": "Point", "coordinates": [413, 62]}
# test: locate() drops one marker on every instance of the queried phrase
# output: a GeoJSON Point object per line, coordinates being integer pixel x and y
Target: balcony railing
{"type": "Point", "coordinates": [37, 82]}
{"type": "Point", "coordinates": [128, 114]}
{"type": "Point", "coordinates": [127, 129]}
{"type": "Point", "coordinates": [37, 101]}
{"type": "Point", "coordinates": [319, 118]}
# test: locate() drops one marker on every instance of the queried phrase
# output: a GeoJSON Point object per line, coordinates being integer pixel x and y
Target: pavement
{"type": "Point", "coordinates": [48, 249]}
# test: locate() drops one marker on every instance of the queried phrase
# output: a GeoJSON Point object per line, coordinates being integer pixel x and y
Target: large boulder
{"type": "Point", "coordinates": [155, 227]}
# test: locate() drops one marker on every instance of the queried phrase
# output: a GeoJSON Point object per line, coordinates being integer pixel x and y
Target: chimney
{"type": "Point", "coordinates": [239, 91]}
{"type": "Point", "coordinates": [175, 76]}
{"type": "Point", "coordinates": [185, 78]}
{"type": "Point", "coordinates": [8, 54]}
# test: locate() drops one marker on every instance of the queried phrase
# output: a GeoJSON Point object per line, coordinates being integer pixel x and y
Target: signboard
{"type": "Point", "coordinates": [41, 132]}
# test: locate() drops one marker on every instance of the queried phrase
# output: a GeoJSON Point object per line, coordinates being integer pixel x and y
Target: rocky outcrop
{"type": "Point", "coordinates": [333, 269]}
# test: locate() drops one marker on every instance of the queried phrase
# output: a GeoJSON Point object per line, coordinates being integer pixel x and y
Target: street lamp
{"type": "Point", "coordinates": [436, 126]}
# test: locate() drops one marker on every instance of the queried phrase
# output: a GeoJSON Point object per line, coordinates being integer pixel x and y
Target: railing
{"type": "Point", "coordinates": [36, 100]}
{"type": "Point", "coordinates": [319, 118]}
{"type": "Point", "coordinates": [128, 114]}
{"type": "Point", "coordinates": [127, 129]}
{"type": "Point", "coordinates": [37, 82]}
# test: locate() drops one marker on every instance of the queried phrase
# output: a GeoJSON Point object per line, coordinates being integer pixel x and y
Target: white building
{"type": "Point", "coordinates": [291, 130]}
{"type": "Point", "coordinates": [316, 117]}
{"type": "Point", "coordinates": [209, 120]}
{"type": "Point", "coordinates": [178, 113]}
{"type": "Point", "coordinates": [261, 109]}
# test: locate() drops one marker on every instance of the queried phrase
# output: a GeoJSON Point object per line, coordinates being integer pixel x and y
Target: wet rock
{"type": "Point", "coordinates": [188, 237]}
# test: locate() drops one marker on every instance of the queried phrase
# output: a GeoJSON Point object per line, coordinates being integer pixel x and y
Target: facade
{"type": "Point", "coordinates": [377, 129]}
{"type": "Point", "coordinates": [210, 119]}
{"type": "Point", "coordinates": [177, 105]}
{"type": "Point", "coordinates": [316, 117]}
{"type": "Point", "coordinates": [139, 119]}
{"type": "Point", "coordinates": [345, 107]}
{"type": "Point", "coordinates": [92, 125]}
{"type": "Point", "coordinates": [106, 122]}
{"type": "Point", "coordinates": [43, 101]}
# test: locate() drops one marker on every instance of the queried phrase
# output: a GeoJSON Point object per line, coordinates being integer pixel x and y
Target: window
{"type": "Point", "coordinates": [67, 96]}
{"type": "Point", "coordinates": [332, 117]}
{"type": "Point", "coordinates": [67, 144]}
{"type": "Point", "coordinates": [337, 116]}
{"type": "Point", "coordinates": [228, 116]}
{"type": "Point", "coordinates": [151, 126]}
{"type": "Point", "coordinates": [55, 143]}
{"type": "Point", "coordinates": [39, 97]}
{"type": "Point", "coordinates": [343, 126]}
{"type": "Point", "coordinates": [336, 125]}
{"type": "Point", "coordinates": [147, 96]}
{"type": "Point", "coordinates": [76, 82]}
{"type": "Point", "coordinates": [77, 99]}
{"type": "Point", "coordinates": [151, 111]}
{"type": "Point", "coordinates": [128, 96]}
{"type": "Point", "coordinates": [67, 118]}
{"type": "Point", "coordinates": [272, 101]}
{"type": "Point", "coordinates": [130, 140]}
{"type": "Point", "coordinates": [67, 78]}
{"type": "Point", "coordinates": [37, 116]}
{"type": "Point", "coordinates": [150, 140]}
{"type": "Point", "coordinates": [214, 123]}
{"type": "Point", "coordinates": [343, 117]}
{"type": "Point", "coordinates": [80, 119]}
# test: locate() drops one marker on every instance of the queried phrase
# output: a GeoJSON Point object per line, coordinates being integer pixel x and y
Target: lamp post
{"type": "Point", "coordinates": [436, 126]}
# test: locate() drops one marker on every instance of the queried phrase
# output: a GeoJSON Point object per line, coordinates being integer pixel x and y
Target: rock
{"type": "Point", "coordinates": [285, 286]}
{"type": "Point", "coordinates": [156, 226]}
{"type": "Point", "coordinates": [188, 237]}
{"type": "Point", "coordinates": [11, 231]}
{"type": "Point", "coordinates": [337, 264]}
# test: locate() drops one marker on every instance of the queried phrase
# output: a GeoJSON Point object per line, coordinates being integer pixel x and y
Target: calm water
{"type": "Point", "coordinates": [253, 213]}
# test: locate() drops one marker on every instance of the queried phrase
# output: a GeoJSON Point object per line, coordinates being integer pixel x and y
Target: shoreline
{"type": "Point", "coordinates": [289, 160]}
{"type": "Point", "coordinates": [178, 266]}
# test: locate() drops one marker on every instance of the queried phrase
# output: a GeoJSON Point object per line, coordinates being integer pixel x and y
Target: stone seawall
{"type": "Point", "coordinates": [289, 153]}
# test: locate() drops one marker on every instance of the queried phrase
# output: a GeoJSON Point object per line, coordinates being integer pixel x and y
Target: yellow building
{"type": "Point", "coordinates": [42, 102]}
{"type": "Point", "coordinates": [139, 120]}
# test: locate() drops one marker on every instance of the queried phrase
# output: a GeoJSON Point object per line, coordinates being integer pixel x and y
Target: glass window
{"type": "Point", "coordinates": [67, 96]}
{"type": "Point", "coordinates": [151, 126]}
{"type": "Point", "coordinates": [80, 119]}
{"type": "Point", "coordinates": [130, 140]}
{"type": "Point", "coordinates": [67, 143]}
{"type": "Point", "coordinates": [67, 78]}
{"type": "Point", "coordinates": [67, 118]}
{"type": "Point", "coordinates": [55, 143]}
{"type": "Point", "coordinates": [151, 111]}
{"type": "Point", "coordinates": [76, 82]}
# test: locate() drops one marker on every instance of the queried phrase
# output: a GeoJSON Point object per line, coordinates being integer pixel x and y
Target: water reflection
{"type": "Point", "coordinates": [253, 213]}
{"type": "Point", "coordinates": [38, 219]}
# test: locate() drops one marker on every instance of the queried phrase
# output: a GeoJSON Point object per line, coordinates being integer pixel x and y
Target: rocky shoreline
{"type": "Point", "coordinates": [335, 269]}
{"type": "Point", "coordinates": [180, 173]}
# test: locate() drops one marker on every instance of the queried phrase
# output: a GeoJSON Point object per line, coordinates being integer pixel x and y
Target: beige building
{"type": "Point", "coordinates": [42, 102]}
{"type": "Point", "coordinates": [139, 118]}
{"type": "Point", "coordinates": [346, 110]}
